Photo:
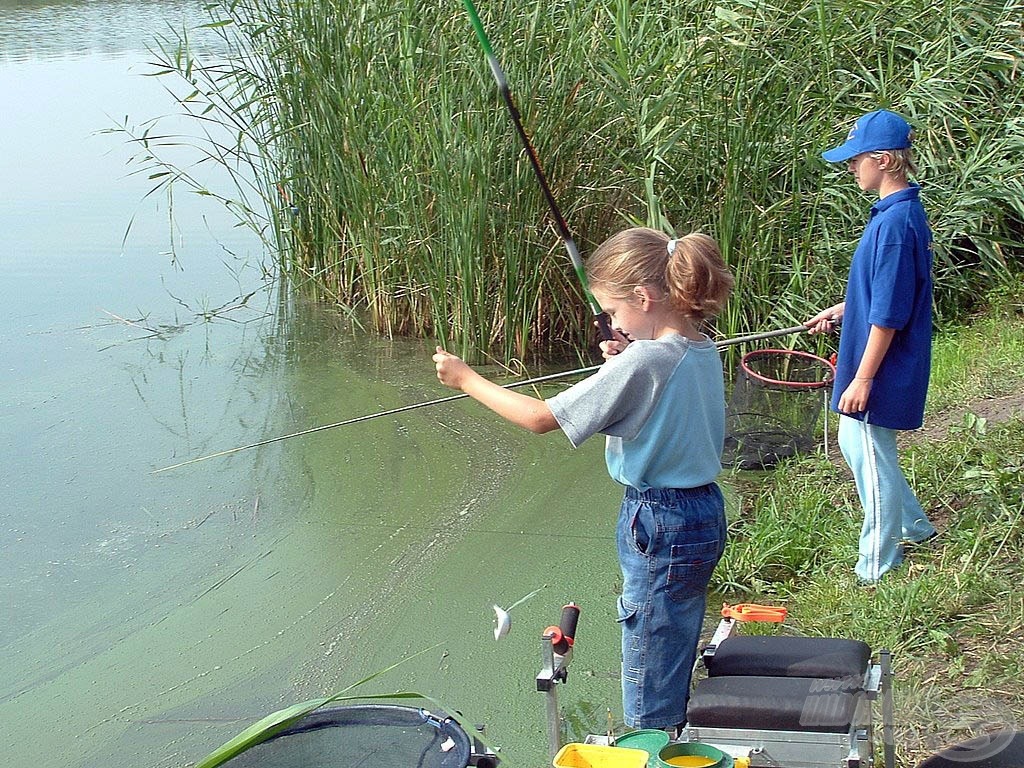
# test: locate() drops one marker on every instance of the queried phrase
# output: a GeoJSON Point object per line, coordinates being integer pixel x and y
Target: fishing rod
{"type": "Point", "coordinates": [357, 419]}
{"type": "Point", "coordinates": [452, 398]}
{"type": "Point", "coordinates": [563, 229]}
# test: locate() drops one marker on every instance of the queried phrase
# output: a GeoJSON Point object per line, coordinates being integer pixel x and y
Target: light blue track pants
{"type": "Point", "coordinates": [892, 512]}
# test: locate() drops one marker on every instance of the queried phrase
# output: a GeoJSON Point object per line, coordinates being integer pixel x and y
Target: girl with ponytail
{"type": "Point", "coordinates": [659, 400]}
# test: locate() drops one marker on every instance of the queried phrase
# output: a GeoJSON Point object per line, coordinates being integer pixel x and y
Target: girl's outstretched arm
{"type": "Point", "coordinates": [522, 410]}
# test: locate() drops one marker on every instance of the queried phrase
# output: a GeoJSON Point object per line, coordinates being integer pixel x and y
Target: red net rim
{"type": "Point", "coordinates": [829, 368]}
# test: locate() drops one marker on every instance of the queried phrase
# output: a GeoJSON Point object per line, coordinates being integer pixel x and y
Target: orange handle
{"type": "Point", "coordinates": [563, 637]}
{"type": "Point", "coordinates": [754, 612]}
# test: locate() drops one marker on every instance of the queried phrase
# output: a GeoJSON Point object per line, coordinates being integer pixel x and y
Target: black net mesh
{"type": "Point", "coordinates": [774, 407]}
{"type": "Point", "coordinates": [364, 735]}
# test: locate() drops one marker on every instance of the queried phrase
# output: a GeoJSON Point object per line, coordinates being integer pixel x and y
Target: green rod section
{"type": "Point", "coordinates": [474, 19]}
{"type": "Point", "coordinates": [556, 213]}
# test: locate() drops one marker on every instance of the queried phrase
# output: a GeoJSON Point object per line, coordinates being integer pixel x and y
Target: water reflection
{"type": "Point", "coordinates": [148, 617]}
{"type": "Point", "coordinates": [36, 29]}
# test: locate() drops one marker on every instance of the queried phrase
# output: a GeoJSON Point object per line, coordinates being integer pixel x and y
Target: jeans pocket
{"type": "Point", "coordinates": [627, 611]}
{"type": "Point", "coordinates": [643, 528]}
{"type": "Point", "coordinates": [690, 569]}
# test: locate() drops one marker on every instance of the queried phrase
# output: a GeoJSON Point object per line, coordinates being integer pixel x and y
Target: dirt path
{"type": "Point", "coordinates": [995, 410]}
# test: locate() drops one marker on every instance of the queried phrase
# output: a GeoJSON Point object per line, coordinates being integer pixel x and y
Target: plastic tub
{"type": "Point", "coordinates": [650, 740]}
{"type": "Point", "coordinates": [576, 755]}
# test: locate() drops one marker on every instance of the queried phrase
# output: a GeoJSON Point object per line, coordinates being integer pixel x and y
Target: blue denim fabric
{"type": "Point", "coordinates": [669, 542]}
{"type": "Point", "coordinates": [891, 510]}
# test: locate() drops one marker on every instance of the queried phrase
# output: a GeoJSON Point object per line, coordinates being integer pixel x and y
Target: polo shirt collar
{"type": "Point", "coordinates": [910, 193]}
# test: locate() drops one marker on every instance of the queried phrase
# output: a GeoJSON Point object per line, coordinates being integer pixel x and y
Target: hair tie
{"type": "Point", "coordinates": [672, 246]}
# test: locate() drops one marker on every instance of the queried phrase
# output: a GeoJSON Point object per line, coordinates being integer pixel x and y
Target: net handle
{"type": "Point", "coordinates": [789, 384]}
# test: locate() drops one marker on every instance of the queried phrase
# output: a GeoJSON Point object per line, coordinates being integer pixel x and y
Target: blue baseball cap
{"type": "Point", "coordinates": [875, 131]}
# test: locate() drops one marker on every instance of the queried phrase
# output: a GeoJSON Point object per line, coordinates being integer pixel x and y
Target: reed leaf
{"type": "Point", "coordinates": [276, 722]}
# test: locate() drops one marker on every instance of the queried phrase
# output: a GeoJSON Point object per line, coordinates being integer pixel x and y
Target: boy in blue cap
{"type": "Point", "coordinates": [884, 357]}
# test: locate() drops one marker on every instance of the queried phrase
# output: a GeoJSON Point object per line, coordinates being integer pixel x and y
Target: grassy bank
{"type": "Point", "coordinates": [953, 614]}
{"type": "Point", "coordinates": [394, 184]}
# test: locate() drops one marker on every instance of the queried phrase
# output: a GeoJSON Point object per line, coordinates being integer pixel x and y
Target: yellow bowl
{"type": "Point", "coordinates": [692, 755]}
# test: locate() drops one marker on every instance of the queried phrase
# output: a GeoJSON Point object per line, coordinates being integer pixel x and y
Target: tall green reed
{"type": "Point", "coordinates": [416, 209]}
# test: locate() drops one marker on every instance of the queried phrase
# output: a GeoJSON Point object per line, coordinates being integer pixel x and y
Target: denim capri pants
{"type": "Point", "coordinates": [669, 542]}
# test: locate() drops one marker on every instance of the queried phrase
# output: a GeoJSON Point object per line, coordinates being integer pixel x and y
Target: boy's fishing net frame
{"type": "Point", "coordinates": [774, 407]}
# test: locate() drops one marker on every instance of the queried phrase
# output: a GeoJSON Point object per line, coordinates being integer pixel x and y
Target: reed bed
{"type": "Point", "coordinates": [395, 186]}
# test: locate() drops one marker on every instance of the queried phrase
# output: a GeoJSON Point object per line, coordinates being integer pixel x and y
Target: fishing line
{"type": "Point", "coordinates": [556, 213]}
{"type": "Point", "coordinates": [357, 419]}
{"type": "Point", "coordinates": [452, 398]}
{"type": "Point", "coordinates": [502, 619]}
{"type": "Point", "coordinates": [482, 531]}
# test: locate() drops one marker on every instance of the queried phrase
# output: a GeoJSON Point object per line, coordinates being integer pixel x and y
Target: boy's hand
{"type": "Point", "coordinates": [855, 397]}
{"type": "Point", "coordinates": [451, 370]}
{"type": "Point", "coordinates": [825, 321]}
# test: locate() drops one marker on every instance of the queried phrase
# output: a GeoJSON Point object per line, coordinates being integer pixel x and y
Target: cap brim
{"type": "Point", "coordinates": [840, 154]}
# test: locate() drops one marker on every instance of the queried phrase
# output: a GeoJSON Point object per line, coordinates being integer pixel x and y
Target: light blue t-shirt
{"type": "Point", "coordinates": [661, 404]}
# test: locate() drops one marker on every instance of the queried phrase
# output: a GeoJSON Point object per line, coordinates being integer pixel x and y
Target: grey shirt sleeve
{"type": "Point", "coordinates": [619, 398]}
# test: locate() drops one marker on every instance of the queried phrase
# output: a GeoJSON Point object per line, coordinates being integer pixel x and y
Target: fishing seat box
{"type": "Point", "coordinates": [796, 701]}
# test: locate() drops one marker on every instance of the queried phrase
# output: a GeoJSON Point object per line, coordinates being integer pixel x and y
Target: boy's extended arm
{"type": "Point", "coordinates": [855, 397]}
{"type": "Point", "coordinates": [522, 410]}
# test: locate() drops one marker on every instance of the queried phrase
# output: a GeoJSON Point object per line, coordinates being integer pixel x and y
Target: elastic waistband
{"type": "Point", "coordinates": [667, 494]}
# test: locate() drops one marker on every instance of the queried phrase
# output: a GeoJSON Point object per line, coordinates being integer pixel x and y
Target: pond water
{"type": "Point", "coordinates": [148, 617]}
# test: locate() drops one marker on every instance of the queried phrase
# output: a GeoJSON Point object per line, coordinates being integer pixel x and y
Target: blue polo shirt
{"type": "Point", "coordinates": [890, 285]}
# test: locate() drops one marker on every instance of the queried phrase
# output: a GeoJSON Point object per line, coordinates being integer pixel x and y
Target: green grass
{"type": "Point", "coordinates": [982, 357]}
{"type": "Point", "coordinates": [953, 614]}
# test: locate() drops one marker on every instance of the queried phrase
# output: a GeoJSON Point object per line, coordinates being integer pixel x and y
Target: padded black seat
{"type": "Point", "coordinates": [774, 703]}
{"type": "Point", "coordinates": [780, 656]}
